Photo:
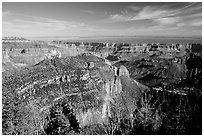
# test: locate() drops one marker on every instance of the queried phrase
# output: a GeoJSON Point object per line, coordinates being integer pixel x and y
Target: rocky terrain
{"type": "Point", "coordinates": [63, 87]}
{"type": "Point", "coordinates": [87, 90]}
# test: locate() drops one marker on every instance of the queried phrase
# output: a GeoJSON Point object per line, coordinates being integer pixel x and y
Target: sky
{"type": "Point", "coordinates": [44, 19]}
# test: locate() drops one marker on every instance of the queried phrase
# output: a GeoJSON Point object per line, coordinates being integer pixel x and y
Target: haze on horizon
{"type": "Point", "coordinates": [42, 19]}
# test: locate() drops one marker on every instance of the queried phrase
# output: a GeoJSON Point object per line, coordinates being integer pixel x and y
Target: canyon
{"type": "Point", "coordinates": [61, 87]}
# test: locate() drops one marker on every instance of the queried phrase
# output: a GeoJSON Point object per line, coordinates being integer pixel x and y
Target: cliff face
{"type": "Point", "coordinates": [84, 94]}
{"type": "Point", "coordinates": [193, 71]}
{"type": "Point", "coordinates": [153, 70]}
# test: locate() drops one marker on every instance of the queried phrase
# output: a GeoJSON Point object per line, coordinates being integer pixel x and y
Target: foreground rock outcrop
{"type": "Point", "coordinates": [66, 94]}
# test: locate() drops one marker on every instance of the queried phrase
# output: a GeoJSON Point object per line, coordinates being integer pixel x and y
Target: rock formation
{"type": "Point", "coordinates": [90, 94]}
{"type": "Point", "coordinates": [53, 53]}
{"type": "Point", "coordinates": [153, 70]}
{"type": "Point", "coordinates": [123, 71]}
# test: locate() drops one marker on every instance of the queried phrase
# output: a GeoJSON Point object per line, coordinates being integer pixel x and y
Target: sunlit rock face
{"type": "Point", "coordinates": [90, 92]}
{"type": "Point", "coordinates": [123, 71]}
{"type": "Point", "coordinates": [53, 53]}
{"type": "Point", "coordinates": [119, 93]}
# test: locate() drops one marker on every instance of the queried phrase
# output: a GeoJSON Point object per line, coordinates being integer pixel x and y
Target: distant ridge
{"type": "Point", "coordinates": [124, 39]}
